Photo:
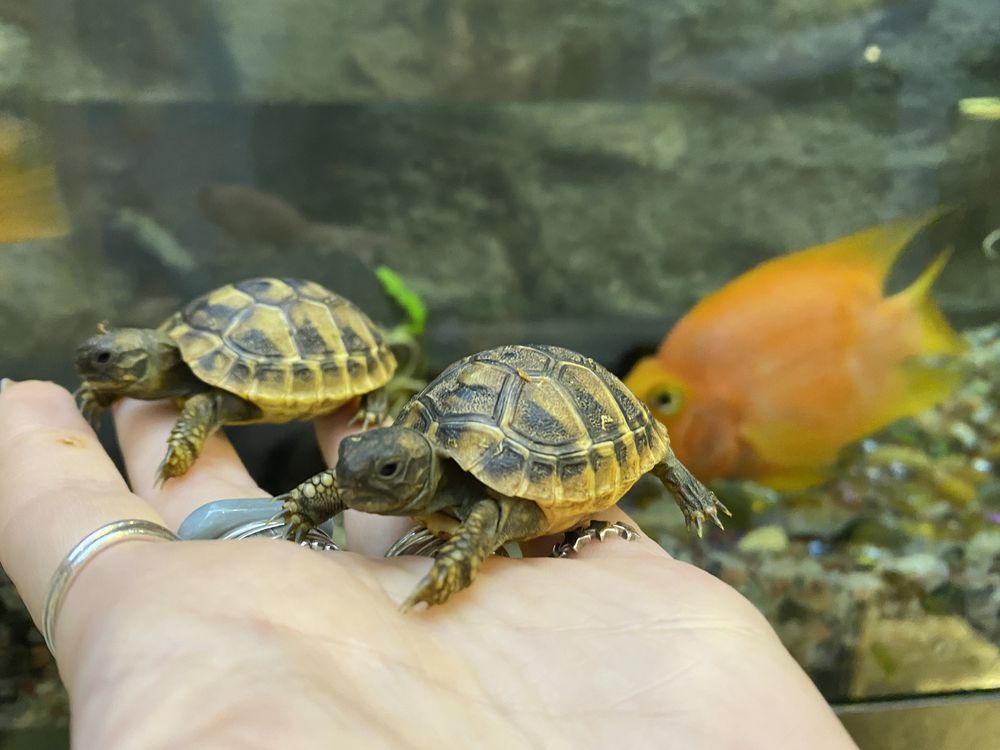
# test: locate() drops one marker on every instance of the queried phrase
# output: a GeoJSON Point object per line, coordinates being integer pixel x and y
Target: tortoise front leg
{"type": "Point", "coordinates": [313, 502]}
{"type": "Point", "coordinates": [490, 523]}
{"type": "Point", "coordinates": [201, 415]}
{"type": "Point", "coordinates": [92, 403]}
{"type": "Point", "coordinates": [695, 500]}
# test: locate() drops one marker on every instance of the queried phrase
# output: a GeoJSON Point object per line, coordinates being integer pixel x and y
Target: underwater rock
{"type": "Point", "coordinates": [928, 654]}
{"type": "Point", "coordinates": [923, 568]}
{"type": "Point", "coordinates": [764, 539]}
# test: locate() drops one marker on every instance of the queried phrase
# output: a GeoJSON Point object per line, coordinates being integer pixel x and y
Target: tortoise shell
{"type": "Point", "coordinates": [291, 347]}
{"type": "Point", "coordinates": [540, 423]}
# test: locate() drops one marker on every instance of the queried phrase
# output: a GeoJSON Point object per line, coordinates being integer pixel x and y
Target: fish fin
{"type": "Point", "coordinates": [875, 248]}
{"type": "Point", "coordinates": [937, 336]}
{"type": "Point", "coordinates": [789, 444]}
{"type": "Point", "coordinates": [923, 385]}
{"type": "Point", "coordinates": [793, 478]}
{"type": "Point", "coordinates": [31, 206]}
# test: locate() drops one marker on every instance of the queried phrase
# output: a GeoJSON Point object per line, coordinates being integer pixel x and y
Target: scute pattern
{"type": "Point", "coordinates": [544, 415]}
{"type": "Point", "coordinates": [284, 344]}
{"type": "Point", "coordinates": [542, 423]}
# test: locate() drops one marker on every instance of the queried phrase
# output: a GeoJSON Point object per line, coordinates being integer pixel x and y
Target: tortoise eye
{"type": "Point", "coordinates": [389, 470]}
{"type": "Point", "coordinates": [665, 400]}
{"type": "Point", "coordinates": [103, 357]}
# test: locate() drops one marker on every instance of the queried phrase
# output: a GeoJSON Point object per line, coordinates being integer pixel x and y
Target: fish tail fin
{"type": "Point", "coordinates": [876, 248]}
{"type": "Point", "coordinates": [792, 479]}
{"type": "Point", "coordinates": [924, 385]}
{"type": "Point", "coordinates": [932, 382]}
{"type": "Point", "coordinates": [937, 336]}
{"type": "Point", "coordinates": [31, 206]}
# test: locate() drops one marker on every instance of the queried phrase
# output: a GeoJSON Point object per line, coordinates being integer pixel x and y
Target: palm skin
{"type": "Point", "coordinates": [265, 644]}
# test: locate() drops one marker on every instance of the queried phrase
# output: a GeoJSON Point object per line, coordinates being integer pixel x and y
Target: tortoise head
{"type": "Point", "coordinates": [389, 470]}
{"type": "Point", "coordinates": [126, 359]}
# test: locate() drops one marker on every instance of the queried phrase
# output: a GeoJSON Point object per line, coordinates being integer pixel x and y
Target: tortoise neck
{"type": "Point", "coordinates": [166, 375]}
{"type": "Point", "coordinates": [452, 489]}
{"type": "Point", "coordinates": [427, 500]}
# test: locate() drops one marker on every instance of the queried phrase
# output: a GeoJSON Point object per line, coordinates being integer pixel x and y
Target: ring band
{"type": "Point", "coordinates": [422, 542]}
{"type": "Point", "coordinates": [316, 538]}
{"type": "Point", "coordinates": [417, 541]}
{"type": "Point", "coordinates": [99, 539]}
{"type": "Point", "coordinates": [246, 517]}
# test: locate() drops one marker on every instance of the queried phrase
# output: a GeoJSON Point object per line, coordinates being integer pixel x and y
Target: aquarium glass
{"type": "Point", "coordinates": [572, 173]}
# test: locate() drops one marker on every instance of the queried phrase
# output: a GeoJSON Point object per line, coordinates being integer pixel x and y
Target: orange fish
{"type": "Point", "coordinates": [771, 375]}
{"type": "Point", "coordinates": [30, 204]}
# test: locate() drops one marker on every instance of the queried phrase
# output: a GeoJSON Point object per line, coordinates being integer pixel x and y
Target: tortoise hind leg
{"type": "Point", "coordinates": [695, 500]}
{"type": "Point", "coordinates": [490, 523]}
{"type": "Point", "coordinates": [575, 539]}
{"type": "Point", "coordinates": [373, 410]}
{"type": "Point", "coordinates": [201, 415]}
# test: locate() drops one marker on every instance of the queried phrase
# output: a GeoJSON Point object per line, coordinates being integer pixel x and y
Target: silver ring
{"type": "Point", "coordinates": [316, 538]}
{"type": "Point", "coordinates": [422, 542]}
{"type": "Point", "coordinates": [246, 517]}
{"type": "Point", "coordinates": [417, 541]}
{"type": "Point", "coordinates": [84, 551]}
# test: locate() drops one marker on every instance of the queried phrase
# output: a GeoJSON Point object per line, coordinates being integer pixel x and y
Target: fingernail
{"type": "Point", "coordinates": [4, 383]}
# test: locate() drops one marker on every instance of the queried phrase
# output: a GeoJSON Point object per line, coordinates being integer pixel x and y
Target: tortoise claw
{"type": "Point", "coordinates": [296, 525]}
{"type": "Point", "coordinates": [697, 518]}
{"type": "Point", "coordinates": [161, 475]}
{"type": "Point", "coordinates": [367, 418]}
{"type": "Point", "coordinates": [577, 539]}
{"type": "Point", "coordinates": [374, 409]}
{"type": "Point", "coordinates": [89, 406]}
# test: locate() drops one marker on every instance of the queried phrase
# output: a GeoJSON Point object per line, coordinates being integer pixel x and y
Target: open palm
{"type": "Point", "coordinates": [260, 643]}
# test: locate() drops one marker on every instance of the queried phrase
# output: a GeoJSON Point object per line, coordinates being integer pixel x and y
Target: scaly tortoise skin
{"type": "Point", "coordinates": [505, 445]}
{"type": "Point", "coordinates": [261, 350]}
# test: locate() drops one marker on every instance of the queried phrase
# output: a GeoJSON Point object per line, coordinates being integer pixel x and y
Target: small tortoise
{"type": "Point", "coordinates": [506, 445]}
{"type": "Point", "coordinates": [262, 350]}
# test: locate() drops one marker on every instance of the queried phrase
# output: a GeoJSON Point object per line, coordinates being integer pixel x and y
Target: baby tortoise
{"type": "Point", "coordinates": [506, 445]}
{"type": "Point", "coordinates": [262, 350]}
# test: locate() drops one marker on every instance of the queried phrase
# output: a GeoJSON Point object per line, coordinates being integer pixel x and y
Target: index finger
{"type": "Point", "coordinates": [57, 485]}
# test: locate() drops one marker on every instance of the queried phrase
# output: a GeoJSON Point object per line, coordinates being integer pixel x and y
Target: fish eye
{"type": "Point", "coordinates": [665, 401]}
{"type": "Point", "coordinates": [389, 469]}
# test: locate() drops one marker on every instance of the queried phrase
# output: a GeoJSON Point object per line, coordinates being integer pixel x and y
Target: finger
{"type": "Point", "coordinates": [366, 533]}
{"type": "Point", "coordinates": [56, 486]}
{"type": "Point", "coordinates": [331, 429]}
{"type": "Point", "coordinates": [218, 473]}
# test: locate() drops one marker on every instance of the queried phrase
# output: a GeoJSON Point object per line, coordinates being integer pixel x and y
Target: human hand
{"type": "Point", "coordinates": [262, 643]}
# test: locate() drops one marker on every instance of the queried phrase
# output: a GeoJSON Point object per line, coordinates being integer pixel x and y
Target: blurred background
{"type": "Point", "coordinates": [576, 173]}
